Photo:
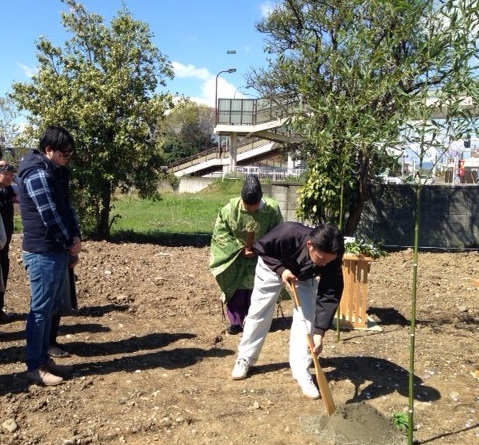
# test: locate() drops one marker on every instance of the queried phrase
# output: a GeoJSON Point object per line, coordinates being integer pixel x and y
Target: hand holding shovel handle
{"type": "Point", "coordinates": [320, 377]}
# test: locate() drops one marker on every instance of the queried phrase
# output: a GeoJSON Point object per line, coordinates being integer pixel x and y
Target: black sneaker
{"type": "Point", "coordinates": [234, 329]}
{"type": "Point", "coordinates": [57, 351]}
{"type": "Point", "coordinates": [4, 317]}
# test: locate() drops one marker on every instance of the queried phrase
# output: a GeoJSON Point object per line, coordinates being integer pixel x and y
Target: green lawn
{"type": "Point", "coordinates": [175, 216]}
{"type": "Point", "coordinates": [178, 218]}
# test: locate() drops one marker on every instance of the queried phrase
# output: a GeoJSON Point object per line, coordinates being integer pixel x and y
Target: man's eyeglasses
{"type": "Point", "coordinates": [66, 153]}
{"type": "Point", "coordinates": [7, 169]}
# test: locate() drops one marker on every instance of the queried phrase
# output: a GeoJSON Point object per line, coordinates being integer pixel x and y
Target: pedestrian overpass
{"type": "Point", "coordinates": [255, 130]}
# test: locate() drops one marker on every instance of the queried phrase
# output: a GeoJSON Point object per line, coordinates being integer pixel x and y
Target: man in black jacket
{"type": "Point", "coordinates": [7, 198]}
{"type": "Point", "coordinates": [294, 252]}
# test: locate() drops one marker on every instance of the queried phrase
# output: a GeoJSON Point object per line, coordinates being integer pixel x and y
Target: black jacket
{"type": "Point", "coordinates": [283, 248]}
{"type": "Point", "coordinates": [7, 195]}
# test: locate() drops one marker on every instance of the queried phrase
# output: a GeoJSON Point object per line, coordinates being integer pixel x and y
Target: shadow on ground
{"type": "Point", "coordinates": [132, 359]}
{"type": "Point", "coordinates": [385, 377]}
{"type": "Point", "coordinates": [388, 316]}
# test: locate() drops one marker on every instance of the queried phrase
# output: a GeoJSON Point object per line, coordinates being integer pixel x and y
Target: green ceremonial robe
{"type": "Point", "coordinates": [235, 228]}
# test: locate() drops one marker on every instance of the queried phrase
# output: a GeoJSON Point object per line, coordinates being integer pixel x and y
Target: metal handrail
{"type": "Point", "coordinates": [193, 157]}
{"type": "Point", "coordinates": [232, 111]}
{"type": "Point", "coordinates": [250, 111]}
{"type": "Point", "coordinates": [243, 146]}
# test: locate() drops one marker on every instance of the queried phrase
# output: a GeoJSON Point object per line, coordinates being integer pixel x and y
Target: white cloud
{"type": "Point", "coordinates": [225, 89]}
{"type": "Point", "coordinates": [190, 71]}
{"type": "Point", "coordinates": [202, 101]}
{"type": "Point", "coordinates": [267, 7]}
{"type": "Point", "coordinates": [28, 71]}
{"type": "Point", "coordinates": [207, 83]}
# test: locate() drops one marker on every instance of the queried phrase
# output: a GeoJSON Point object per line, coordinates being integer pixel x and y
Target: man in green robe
{"type": "Point", "coordinates": [232, 261]}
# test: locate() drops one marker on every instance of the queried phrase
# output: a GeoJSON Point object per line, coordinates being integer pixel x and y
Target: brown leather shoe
{"type": "Point", "coordinates": [52, 367]}
{"type": "Point", "coordinates": [42, 376]}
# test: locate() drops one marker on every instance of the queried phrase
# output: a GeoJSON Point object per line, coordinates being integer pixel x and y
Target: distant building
{"type": "Point", "coordinates": [463, 171]}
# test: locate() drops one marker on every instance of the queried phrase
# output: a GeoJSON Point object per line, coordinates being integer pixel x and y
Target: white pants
{"type": "Point", "coordinates": [267, 287]}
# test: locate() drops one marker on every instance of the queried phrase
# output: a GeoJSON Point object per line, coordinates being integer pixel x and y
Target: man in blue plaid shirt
{"type": "Point", "coordinates": [50, 235]}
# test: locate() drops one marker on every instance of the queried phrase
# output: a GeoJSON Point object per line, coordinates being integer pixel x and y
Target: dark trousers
{"type": "Point", "coordinates": [5, 265]}
{"type": "Point", "coordinates": [237, 306]}
{"type": "Point", "coordinates": [54, 329]}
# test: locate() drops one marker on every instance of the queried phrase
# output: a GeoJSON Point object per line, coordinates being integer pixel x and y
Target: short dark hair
{"type": "Point", "coordinates": [251, 193]}
{"type": "Point", "coordinates": [327, 238]}
{"type": "Point", "coordinates": [57, 138]}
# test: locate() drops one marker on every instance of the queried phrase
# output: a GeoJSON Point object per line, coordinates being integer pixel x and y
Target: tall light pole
{"type": "Point", "coordinates": [229, 71]}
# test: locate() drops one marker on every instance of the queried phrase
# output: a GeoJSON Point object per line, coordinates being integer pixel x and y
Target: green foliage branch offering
{"type": "Point", "coordinates": [102, 86]}
{"type": "Point", "coordinates": [362, 246]}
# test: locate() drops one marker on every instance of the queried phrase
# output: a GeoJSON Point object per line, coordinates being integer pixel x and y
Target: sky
{"type": "Point", "coordinates": [195, 35]}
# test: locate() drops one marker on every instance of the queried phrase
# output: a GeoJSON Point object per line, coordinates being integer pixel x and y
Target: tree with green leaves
{"type": "Point", "coordinates": [443, 111]}
{"type": "Point", "coordinates": [9, 126]}
{"type": "Point", "coordinates": [187, 130]}
{"type": "Point", "coordinates": [354, 68]}
{"type": "Point", "coordinates": [102, 86]}
{"type": "Point", "coordinates": [367, 76]}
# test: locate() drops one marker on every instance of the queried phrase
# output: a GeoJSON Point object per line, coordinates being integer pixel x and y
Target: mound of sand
{"type": "Point", "coordinates": [355, 424]}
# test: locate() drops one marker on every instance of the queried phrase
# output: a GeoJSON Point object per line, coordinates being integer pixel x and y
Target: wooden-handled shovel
{"type": "Point", "coordinates": [320, 377]}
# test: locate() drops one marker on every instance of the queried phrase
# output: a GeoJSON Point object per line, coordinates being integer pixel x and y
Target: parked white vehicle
{"type": "Point", "coordinates": [392, 180]}
{"type": "Point", "coordinates": [426, 180]}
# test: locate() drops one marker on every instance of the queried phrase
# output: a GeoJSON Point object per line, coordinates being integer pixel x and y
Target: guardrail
{"type": "Point", "coordinates": [250, 111]}
{"type": "Point", "coordinates": [274, 174]}
{"type": "Point", "coordinates": [213, 153]}
{"type": "Point", "coordinates": [202, 156]}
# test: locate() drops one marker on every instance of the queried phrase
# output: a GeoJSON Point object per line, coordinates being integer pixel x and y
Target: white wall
{"type": "Point", "coordinates": [187, 184]}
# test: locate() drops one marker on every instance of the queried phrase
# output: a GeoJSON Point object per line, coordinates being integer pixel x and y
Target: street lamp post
{"type": "Point", "coordinates": [229, 71]}
{"type": "Point", "coordinates": [239, 88]}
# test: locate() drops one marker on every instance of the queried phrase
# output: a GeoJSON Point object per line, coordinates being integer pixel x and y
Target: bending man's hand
{"type": "Point", "coordinates": [318, 343]}
{"type": "Point", "coordinates": [287, 277]}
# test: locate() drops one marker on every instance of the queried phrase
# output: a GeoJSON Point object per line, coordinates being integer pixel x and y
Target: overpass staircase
{"type": "Point", "coordinates": [256, 132]}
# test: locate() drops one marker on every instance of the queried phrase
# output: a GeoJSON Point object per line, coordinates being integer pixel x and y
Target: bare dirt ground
{"type": "Point", "coordinates": [152, 360]}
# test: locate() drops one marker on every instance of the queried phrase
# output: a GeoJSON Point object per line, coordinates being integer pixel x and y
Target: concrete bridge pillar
{"type": "Point", "coordinates": [233, 151]}
{"type": "Point", "coordinates": [290, 164]}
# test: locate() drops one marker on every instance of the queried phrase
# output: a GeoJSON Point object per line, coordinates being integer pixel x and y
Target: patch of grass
{"type": "Point", "coordinates": [175, 217]}
{"type": "Point", "coordinates": [227, 187]}
{"type": "Point", "coordinates": [401, 421]}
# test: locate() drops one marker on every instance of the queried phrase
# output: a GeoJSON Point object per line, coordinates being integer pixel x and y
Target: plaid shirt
{"type": "Point", "coordinates": [38, 186]}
